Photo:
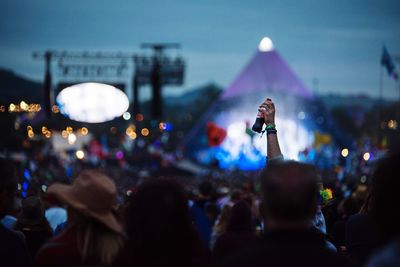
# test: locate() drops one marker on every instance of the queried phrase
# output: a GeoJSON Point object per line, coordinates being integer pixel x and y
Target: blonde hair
{"type": "Point", "coordinates": [221, 223]}
{"type": "Point", "coordinates": [95, 240]}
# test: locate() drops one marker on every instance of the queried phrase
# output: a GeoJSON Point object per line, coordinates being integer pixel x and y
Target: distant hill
{"type": "Point", "coordinates": [14, 88]}
{"type": "Point", "coordinates": [363, 102]}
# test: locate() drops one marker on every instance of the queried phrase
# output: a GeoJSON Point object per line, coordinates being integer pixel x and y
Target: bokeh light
{"type": "Point", "coordinates": [80, 154]}
{"type": "Point", "coordinates": [71, 138]}
{"type": "Point", "coordinates": [145, 132]}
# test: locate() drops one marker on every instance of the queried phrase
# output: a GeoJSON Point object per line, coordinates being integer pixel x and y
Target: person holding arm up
{"type": "Point", "coordinates": [267, 112]}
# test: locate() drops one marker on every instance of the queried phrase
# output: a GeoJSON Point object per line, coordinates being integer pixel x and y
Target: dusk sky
{"type": "Point", "coordinates": [338, 42]}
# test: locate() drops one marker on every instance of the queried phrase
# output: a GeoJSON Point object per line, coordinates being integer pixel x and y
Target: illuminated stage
{"type": "Point", "coordinates": [266, 75]}
{"type": "Point", "coordinates": [246, 152]}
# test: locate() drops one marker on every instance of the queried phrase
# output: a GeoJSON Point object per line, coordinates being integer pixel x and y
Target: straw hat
{"type": "Point", "coordinates": [32, 211]}
{"type": "Point", "coordinates": [93, 194]}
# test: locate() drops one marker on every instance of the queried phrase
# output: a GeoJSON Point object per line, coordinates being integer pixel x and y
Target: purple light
{"type": "Point", "coordinates": [267, 71]}
{"type": "Point", "coordinates": [119, 155]}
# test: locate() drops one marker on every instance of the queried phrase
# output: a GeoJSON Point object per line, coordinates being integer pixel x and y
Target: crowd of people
{"type": "Point", "coordinates": [281, 218]}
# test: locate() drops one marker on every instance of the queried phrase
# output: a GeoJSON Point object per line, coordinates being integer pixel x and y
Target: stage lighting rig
{"type": "Point", "coordinates": [78, 67]}
{"type": "Point", "coordinates": [157, 70]}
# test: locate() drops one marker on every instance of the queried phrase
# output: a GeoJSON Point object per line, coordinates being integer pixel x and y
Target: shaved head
{"type": "Point", "coordinates": [290, 191]}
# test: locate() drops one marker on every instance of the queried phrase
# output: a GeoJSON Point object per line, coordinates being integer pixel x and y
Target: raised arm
{"type": "Point", "coordinates": [267, 108]}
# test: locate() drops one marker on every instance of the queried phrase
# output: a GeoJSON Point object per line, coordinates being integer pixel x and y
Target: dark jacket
{"type": "Point", "coordinates": [13, 249]}
{"type": "Point", "coordinates": [361, 240]}
{"type": "Point", "coordinates": [239, 232]}
{"type": "Point", "coordinates": [35, 239]}
{"type": "Point", "coordinates": [287, 248]}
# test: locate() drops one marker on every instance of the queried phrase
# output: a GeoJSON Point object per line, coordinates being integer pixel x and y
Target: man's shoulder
{"type": "Point", "coordinates": [13, 250]}
{"type": "Point", "coordinates": [10, 237]}
{"type": "Point", "coordinates": [387, 256]}
{"type": "Point", "coordinates": [277, 253]}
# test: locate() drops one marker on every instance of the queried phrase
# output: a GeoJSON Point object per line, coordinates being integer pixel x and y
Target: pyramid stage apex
{"type": "Point", "coordinates": [266, 45]}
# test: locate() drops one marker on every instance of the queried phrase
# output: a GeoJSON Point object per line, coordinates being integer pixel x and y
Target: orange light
{"type": "Point", "coordinates": [133, 136]}
{"type": "Point", "coordinates": [145, 132]}
{"type": "Point", "coordinates": [84, 131]}
{"type": "Point", "coordinates": [55, 109]}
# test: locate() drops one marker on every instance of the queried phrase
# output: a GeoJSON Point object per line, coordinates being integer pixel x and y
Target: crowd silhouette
{"type": "Point", "coordinates": [279, 219]}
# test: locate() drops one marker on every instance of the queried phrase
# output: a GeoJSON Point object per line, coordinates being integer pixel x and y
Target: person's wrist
{"type": "Point", "coordinates": [270, 123]}
{"type": "Point", "coordinates": [270, 127]}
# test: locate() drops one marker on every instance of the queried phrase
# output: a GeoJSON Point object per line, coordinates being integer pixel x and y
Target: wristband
{"type": "Point", "coordinates": [271, 131]}
{"type": "Point", "coordinates": [270, 126]}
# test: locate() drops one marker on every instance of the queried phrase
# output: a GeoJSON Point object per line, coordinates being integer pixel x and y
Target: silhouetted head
{"type": "Point", "coordinates": [236, 195]}
{"type": "Point", "coordinates": [241, 218]}
{"type": "Point", "coordinates": [349, 206]}
{"type": "Point", "coordinates": [159, 226]}
{"type": "Point", "coordinates": [290, 192]}
{"type": "Point", "coordinates": [32, 212]}
{"type": "Point", "coordinates": [206, 189]}
{"type": "Point", "coordinates": [385, 202]}
{"type": "Point", "coordinates": [8, 186]}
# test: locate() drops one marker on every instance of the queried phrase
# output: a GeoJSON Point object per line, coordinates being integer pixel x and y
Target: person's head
{"type": "Point", "coordinates": [385, 202]}
{"type": "Point", "coordinates": [360, 195]}
{"type": "Point", "coordinates": [90, 202]}
{"type": "Point", "coordinates": [158, 224]}
{"type": "Point", "coordinates": [31, 217]}
{"type": "Point", "coordinates": [206, 189]}
{"type": "Point", "coordinates": [8, 186]}
{"type": "Point", "coordinates": [349, 206]}
{"type": "Point", "coordinates": [241, 218]}
{"type": "Point", "coordinates": [32, 211]}
{"type": "Point", "coordinates": [236, 195]}
{"type": "Point", "coordinates": [290, 194]}
{"type": "Point", "coordinates": [366, 206]}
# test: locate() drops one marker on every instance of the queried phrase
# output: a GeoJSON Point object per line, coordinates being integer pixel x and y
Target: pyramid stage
{"type": "Point", "coordinates": [266, 75]}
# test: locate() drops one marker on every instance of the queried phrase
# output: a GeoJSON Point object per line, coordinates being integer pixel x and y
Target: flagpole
{"type": "Point", "coordinates": [380, 106]}
{"type": "Point", "coordinates": [398, 104]}
{"type": "Point", "coordinates": [397, 58]}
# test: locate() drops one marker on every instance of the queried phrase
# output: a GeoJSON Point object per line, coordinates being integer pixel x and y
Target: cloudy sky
{"type": "Point", "coordinates": [337, 42]}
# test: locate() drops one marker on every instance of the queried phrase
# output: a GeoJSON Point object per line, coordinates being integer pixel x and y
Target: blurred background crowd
{"type": "Point", "coordinates": [127, 134]}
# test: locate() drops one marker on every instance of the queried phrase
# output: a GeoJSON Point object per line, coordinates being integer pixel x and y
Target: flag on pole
{"type": "Point", "coordinates": [387, 62]}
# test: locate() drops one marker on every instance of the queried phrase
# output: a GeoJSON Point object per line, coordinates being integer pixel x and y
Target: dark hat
{"type": "Point", "coordinates": [32, 212]}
